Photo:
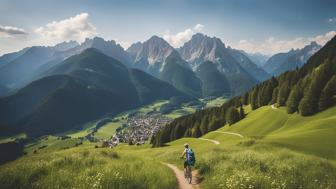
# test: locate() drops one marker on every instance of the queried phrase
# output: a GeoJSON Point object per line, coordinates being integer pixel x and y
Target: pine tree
{"type": "Point", "coordinates": [204, 125]}
{"type": "Point", "coordinates": [241, 113]}
{"type": "Point", "coordinates": [265, 95]}
{"type": "Point", "coordinates": [244, 99]}
{"type": "Point", "coordinates": [179, 131]}
{"type": "Point", "coordinates": [275, 95]}
{"type": "Point", "coordinates": [254, 98]}
{"type": "Point", "coordinates": [213, 125]}
{"type": "Point", "coordinates": [319, 79]}
{"type": "Point", "coordinates": [196, 132]}
{"type": "Point", "coordinates": [187, 133]}
{"type": "Point", "coordinates": [283, 94]}
{"type": "Point", "coordinates": [294, 99]}
{"type": "Point", "coordinates": [232, 115]}
{"type": "Point", "coordinates": [327, 98]}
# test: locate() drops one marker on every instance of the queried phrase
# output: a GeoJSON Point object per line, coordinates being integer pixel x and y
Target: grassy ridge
{"type": "Point", "coordinates": [314, 134]}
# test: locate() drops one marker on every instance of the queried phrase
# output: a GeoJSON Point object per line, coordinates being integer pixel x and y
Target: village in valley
{"type": "Point", "coordinates": [139, 128]}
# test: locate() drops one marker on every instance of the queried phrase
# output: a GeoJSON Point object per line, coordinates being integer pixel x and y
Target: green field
{"type": "Point", "coordinates": [277, 150]}
{"type": "Point", "coordinates": [51, 143]}
{"type": "Point", "coordinates": [82, 132]}
{"type": "Point", "coordinates": [215, 102]}
{"type": "Point", "coordinates": [108, 130]}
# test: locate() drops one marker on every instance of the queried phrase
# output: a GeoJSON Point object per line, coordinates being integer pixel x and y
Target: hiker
{"type": "Point", "coordinates": [189, 155]}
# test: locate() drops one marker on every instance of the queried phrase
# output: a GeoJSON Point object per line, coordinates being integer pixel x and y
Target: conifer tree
{"type": "Point", "coordinates": [294, 99]}
{"type": "Point", "coordinates": [232, 115]}
{"type": "Point", "coordinates": [283, 94]}
{"type": "Point", "coordinates": [241, 113]}
{"type": "Point", "coordinates": [309, 103]}
{"type": "Point", "coordinates": [327, 97]}
{"type": "Point", "coordinates": [254, 98]}
{"type": "Point", "coordinates": [275, 95]}
{"type": "Point", "coordinates": [196, 132]}
{"type": "Point", "coordinates": [204, 125]}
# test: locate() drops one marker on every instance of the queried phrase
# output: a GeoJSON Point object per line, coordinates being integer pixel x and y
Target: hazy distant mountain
{"type": "Point", "coordinates": [291, 60]}
{"type": "Point", "coordinates": [65, 45]}
{"type": "Point", "coordinates": [248, 65]}
{"type": "Point", "coordinates": [109, 48]}
{"type": "Point", "coordinates": [77, 90]}
{"type": "Point", "coordinates": [157, 57]}
{"type": "Point", "coordinates": [4, 59]}
{"type": "Point", "coordinates": [16, 71]}
{"type": "Point", "coordinates": [203, 48]}
{"type": "Point", "coordinates": [19, 69]}
{"type": "Point", "coordinates": [257, 58]}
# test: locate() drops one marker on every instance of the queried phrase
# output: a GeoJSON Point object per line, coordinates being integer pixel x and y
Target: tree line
{"type": "Point", "coordinates": [306, 91]}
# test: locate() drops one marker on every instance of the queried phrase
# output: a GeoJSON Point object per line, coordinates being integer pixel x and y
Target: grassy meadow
{"type": "Point", "coordinates": [277, 150]}
{"type": "Point", "coordinates": [85, 167]}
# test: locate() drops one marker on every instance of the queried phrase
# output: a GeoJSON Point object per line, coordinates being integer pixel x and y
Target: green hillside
{"type": "Point", "coordinates": [312, 135]}
{"type": "Point", "coordinates": [277, 150]}
{"type": "Point", "coordinates": [307, 91]}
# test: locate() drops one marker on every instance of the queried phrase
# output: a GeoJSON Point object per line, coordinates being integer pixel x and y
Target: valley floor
{"type": "Point", "coordinates": [267, 149]}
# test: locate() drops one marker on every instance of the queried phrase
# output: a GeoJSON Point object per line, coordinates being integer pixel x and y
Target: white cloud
{"type": "Point", "coordinates": [198, 27]}
{"type": "Point", "coordinates": [177, 40]}
{"type": "Point", "coordinates": [74, 28]}
{"type": "Point", "coordinates": [7, 31]}
{"type": "Point", "coordinates": [332, 20]}
{"type": "Point", "coordinates": [271, 46]}
{"type": "Point", "coordinates": [323, 39]}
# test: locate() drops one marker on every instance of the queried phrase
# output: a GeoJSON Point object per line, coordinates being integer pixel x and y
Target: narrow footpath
{"type": "Point", "coordinates": [183, 183]}
{"type": "Point", "coordinates": [210, 140]}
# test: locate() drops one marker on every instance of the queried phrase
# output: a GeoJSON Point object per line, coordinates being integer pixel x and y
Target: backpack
{"type": "Point", "coordinates": [191, 157]}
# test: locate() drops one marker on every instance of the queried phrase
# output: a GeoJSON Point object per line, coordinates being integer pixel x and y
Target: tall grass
{"type": "Point", "coordinates": [276, 169]}
{"type": "Point", "coordinates": [85, 169]}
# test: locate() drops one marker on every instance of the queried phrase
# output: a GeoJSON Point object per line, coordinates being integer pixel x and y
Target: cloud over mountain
{"type": "Point", "coordinates": [271, 45]}
{"type": "Point", "coordinates": [74, 28]}
{"type": "Point", "coordinates": [6, 31]}
{"type": "Point", "coordinates": [177, 40]}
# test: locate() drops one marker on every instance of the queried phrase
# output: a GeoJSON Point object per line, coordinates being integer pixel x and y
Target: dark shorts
{"type": "Point", "coordinates": [187, 163]}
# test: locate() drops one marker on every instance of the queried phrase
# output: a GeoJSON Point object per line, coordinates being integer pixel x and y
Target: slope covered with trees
{"type": "Point", "coordinates": [307, 91]}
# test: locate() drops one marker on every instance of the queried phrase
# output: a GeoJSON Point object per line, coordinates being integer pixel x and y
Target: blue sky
{"type": "Point", "coordinates": [252, 25]}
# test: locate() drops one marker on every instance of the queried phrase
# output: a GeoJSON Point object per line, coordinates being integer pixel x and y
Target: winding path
{"type": "Point", "coordinates": [183, 183]}
{"type": "Point", "coordinates": [211, 140]}
{"type": "Point", "coordinates": [273, 107]}
{"type": "Point", "coordinates": [230, 133]}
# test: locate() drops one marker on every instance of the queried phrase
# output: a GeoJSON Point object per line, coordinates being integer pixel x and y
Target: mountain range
{"type": "Point", "coordinates": [56, 88]}
{"type": "Point", "coordinates": [236, 67]}
{"type": "Point", "coordinates": [77, 90]}
{"type": "Point", "coordinates": [290, 60]}
{"type": "Point", "coordinates": [158, 58]}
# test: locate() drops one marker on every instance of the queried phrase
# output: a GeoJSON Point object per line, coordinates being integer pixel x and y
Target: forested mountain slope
{"type": "Point", "coordinates": [307, 91]}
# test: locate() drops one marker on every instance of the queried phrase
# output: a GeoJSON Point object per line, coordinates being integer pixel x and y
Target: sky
{"type": "Point", "coordinates": [264, 26]}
